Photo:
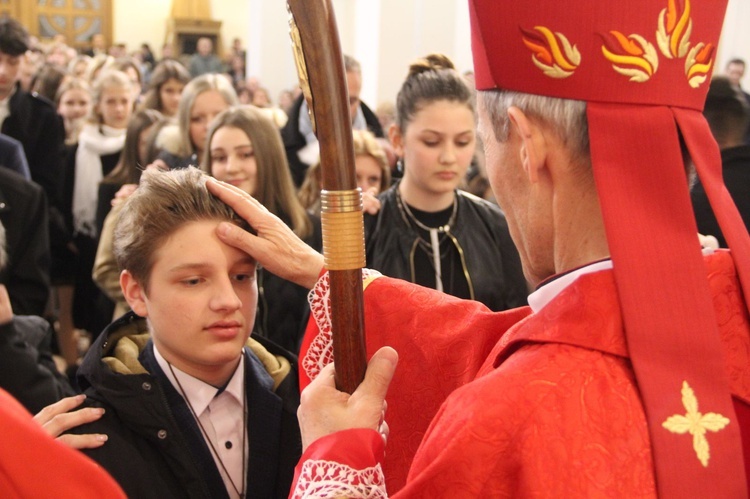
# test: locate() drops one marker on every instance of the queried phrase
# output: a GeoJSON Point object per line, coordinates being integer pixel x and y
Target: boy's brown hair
{"type": "Point", "coordinates": [162, 204]}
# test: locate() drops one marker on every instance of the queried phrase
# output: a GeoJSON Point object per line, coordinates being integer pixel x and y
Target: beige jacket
{"type": "Point", "coordinates": [106, 272]}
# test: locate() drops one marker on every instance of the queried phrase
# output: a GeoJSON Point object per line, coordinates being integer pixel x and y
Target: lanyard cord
{"type": "Point", "coordinates": [240, 493]}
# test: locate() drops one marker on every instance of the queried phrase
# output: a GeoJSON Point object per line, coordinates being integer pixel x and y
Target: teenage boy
{"type": "Point", "coordinates": [193, 406]}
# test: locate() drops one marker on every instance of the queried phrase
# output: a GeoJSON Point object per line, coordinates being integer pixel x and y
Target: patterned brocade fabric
{"type": "Point", "coordinates": [447, 353]}
{"type": "Point", "coordinates": [540, 405]}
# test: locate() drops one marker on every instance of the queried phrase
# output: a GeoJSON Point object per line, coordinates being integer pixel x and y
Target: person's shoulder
{"type": "Point", "coordinates": [479, 202]}
{"type": "Point", "coordinates": [535, 373]}
{"type": "Point", "coordinates": [41, 106]}
{"type": "Point", "coordinates": [10, 143]}
{"type": "Point", "coordinates": [277, 361]}
{"type": "Point", "coordinates": [488, 212]}
{"type": "Point", "coordinates": [13, 182]}
{"type": "Point", "coordinates": [42, 110]}
{"type": "Point", "coordinates": [387, 209]}
{"type": "Point", "coordinates": [280, 365]}
{"type": "Point", "coordinates": [31, 323]}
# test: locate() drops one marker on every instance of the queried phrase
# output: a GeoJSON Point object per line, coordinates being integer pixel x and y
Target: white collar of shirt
{"type": "Point", "coordinates": [548, 292]}
{"type": "Point", "coordinates": [220, 415]}
{"type": "Point", "coordinates": [199, 393]}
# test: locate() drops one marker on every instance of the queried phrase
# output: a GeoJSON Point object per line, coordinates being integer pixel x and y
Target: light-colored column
{"type": "Point", "coordinates": [735, 38]}
{"type": "Point", "coordinates": [269, 49]}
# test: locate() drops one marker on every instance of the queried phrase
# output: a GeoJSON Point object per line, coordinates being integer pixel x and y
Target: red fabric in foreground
{"type": "Point", "coordinates": [646, 199]}
{"type": "Point", "coordinates": [437, 353]}
{"type": "Point", "coordinates": [34, 465]}
{"type": "Point", "coordinates": [554, 411]}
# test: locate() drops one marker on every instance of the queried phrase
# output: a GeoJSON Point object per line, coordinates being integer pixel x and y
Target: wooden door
{"type": "Point", "coordinates": [77, 20]}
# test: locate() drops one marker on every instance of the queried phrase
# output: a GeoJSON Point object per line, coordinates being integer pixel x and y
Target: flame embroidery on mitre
{"type": "Point", "coordinates": [673, 35]}
{"type": "Point", "coordinates": [631, 56]}
{"type": "Point", "coordinates": [698, 64]}
{"type": "Point", "coordinates": [552, 52]}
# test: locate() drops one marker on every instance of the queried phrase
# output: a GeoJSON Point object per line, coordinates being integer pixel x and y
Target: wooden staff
{"type": "Point", "coordinates": [320, 66]}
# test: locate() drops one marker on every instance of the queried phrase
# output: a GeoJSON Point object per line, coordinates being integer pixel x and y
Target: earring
{"type": "Point", "coordinates": [400, 165]}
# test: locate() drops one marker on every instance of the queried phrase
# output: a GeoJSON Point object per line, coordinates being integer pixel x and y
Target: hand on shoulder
{"type": "Point", "coordinates": [57, 418]}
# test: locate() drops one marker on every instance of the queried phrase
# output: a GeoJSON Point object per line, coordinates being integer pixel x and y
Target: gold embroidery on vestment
{"type": "Point", "coordinates": [695, 423]}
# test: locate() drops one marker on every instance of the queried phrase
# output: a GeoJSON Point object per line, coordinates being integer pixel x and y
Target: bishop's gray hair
{"type": "Point", "coordinates": [566, 117]}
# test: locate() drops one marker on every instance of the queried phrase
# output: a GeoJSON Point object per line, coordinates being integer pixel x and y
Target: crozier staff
{"type": "Point", "coordinates": [321, 69]}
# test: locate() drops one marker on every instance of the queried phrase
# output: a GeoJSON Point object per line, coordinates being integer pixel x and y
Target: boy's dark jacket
{"type": "Point", "coordinates": [155, 448]}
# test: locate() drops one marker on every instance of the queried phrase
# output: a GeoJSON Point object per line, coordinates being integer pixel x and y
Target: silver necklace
{"type": "Point", "coordinates": [437, 234]}
{"type": "Point", "coordinates": [240, 492]}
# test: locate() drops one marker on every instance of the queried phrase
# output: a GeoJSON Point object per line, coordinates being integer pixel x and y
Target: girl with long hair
{"type": "Point", "coordinates": [429, 231]}
{"type": "Point", "coordinates": [245, 150]}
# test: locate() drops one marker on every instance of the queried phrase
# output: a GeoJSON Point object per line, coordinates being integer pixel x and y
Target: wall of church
{"type": "Point", "coordinates": [384, 35]}
{"type": "Point", "coordinates": [735, 38]}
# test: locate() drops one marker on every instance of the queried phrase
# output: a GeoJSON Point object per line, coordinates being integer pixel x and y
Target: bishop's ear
{"type": "Point", "coordinates": [532, 143]}
{"type": "Point", "coordinates": [134, 293]}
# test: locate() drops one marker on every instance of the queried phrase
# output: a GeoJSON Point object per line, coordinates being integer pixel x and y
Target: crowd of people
{"type": "Point", "coordinates": [116, 115]}
{"type": "Point", "coordinates": [161, 234]}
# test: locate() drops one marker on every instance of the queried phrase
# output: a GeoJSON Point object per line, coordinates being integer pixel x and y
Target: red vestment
{"type": "Point", "coordinates": [549, 407]}
{"type": "Point", "coordinates": [32, 464]}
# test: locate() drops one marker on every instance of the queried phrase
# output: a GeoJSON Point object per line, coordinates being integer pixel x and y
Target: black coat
{"type": "Point", "coordinates": [155, 448]}
{"type": "Point", "coordinates": [13, 157]}
{"type": "Point", "coordinates": [491, 258]}
{"type": "Point", "coordinates": [92, 309]}
{"type": "Point", "coordinates": [23, 212]}
{"type": "Point", "coordinates": [736, 171]}
{"type": "Point", "coordinates": [283, 309]}
{"type": "Point", "coordinates": [27, 370]}
{"type": "Point", "coordinates": [294, 140]}
{"type": "Point", "coordinates": [34, 122]}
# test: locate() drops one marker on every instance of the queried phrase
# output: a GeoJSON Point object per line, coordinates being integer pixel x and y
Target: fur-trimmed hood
{"type": "Point", "coordinates": [155, 448]}
{"type": "Point", "coordinates": [125, 339]}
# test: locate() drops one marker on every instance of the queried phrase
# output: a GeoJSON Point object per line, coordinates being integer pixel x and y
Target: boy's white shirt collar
{"type": "Point", "coordinates": [199, 393]}
{"type": "Point", "coordinates": [218, 416]}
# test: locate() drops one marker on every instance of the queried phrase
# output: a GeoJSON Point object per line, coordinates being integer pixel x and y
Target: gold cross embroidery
{"type": "Point", "coordinates": [695, 423]}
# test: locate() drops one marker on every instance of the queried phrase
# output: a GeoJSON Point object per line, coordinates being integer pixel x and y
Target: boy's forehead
{"type": "Point", "coordinates": [196, 243]}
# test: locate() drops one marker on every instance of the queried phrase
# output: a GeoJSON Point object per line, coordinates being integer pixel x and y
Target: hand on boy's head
{"type": "Point", "coordinates": [324, 410]}
{"type": "Point", "coordinates": [276, 246]}
{"type": "Point", "coordinates": [56, 419]}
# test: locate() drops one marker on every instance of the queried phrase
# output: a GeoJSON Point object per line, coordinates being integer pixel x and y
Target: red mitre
{"type": "Point", "coordinates": [643, 67]}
